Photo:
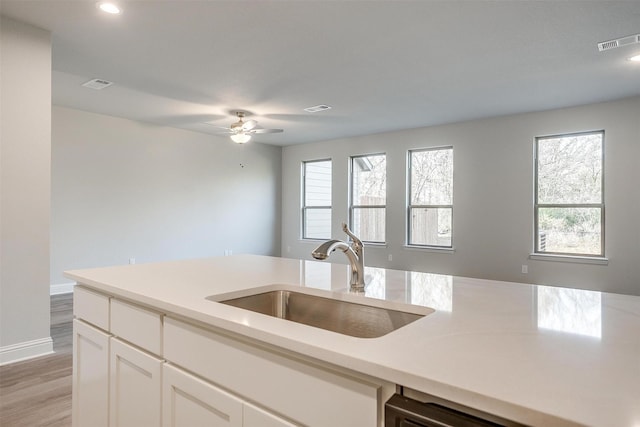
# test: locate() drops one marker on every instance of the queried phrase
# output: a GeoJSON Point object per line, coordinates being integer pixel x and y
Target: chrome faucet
{"type": "Point", "coordinates": [354, 252]}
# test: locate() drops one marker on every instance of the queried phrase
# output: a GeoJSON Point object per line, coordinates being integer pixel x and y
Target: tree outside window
{"type": "Point", "coordinates": [569, 194]}
{"type": "Point", "coordinates": [430, 207]}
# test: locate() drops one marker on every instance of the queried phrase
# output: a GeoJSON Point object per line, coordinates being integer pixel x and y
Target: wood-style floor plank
{"type": "Point", "coordinates": [37, 392]}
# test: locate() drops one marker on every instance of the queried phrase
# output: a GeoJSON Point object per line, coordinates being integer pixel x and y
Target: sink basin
{"type": "Point", "coordinates": [357, 319]}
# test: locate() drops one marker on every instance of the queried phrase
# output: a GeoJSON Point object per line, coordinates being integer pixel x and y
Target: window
{"type": "Point", "coordinates": [569, 194]}
{"type": "Point", "coordinates": [369, 197]}
{"type": "Point", "coordinates": [430, 207]}
{"type": "Point", "coordinates": [316, 206]}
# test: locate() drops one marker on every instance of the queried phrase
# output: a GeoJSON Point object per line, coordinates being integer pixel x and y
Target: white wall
{"type": "Point", "coordinates": [493, 196]}
{"type": "Point", "coordinates": [25, 152]}
{"type": "Point", "coordinates": [123, 189]}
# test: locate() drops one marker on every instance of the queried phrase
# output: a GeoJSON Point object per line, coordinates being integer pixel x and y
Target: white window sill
{"type": "Point", "coordinates": [374, 244]}
{"type": "Point", "coordinates": [570, 258]}
{"type": "Point", "coordinates": [432, 249]}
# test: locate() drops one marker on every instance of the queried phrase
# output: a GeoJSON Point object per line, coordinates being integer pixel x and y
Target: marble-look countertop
{"type": "Point", "coordinates": [539, 355]}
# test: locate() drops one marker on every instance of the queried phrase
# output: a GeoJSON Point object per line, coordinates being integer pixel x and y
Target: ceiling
{"type": "Point", "coordinates": [380, 65]}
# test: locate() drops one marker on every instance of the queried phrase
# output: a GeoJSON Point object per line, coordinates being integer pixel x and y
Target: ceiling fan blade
{"type": "Point", "coordinates": [267, 131]}
{"type": "Point", "coordinates": [249, 124]}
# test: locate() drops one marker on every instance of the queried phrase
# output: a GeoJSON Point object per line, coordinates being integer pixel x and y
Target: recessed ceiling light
{"type": "Point", "coordinates": [634, 58]}
{"type": "Point", "coordinates": [111, 8]}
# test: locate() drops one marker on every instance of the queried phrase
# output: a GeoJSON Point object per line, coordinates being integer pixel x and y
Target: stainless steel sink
{"type": "Point", "coordinates": [345, 317]}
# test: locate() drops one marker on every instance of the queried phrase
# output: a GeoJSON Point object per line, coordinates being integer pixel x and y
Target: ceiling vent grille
{"type": "Point", "coordinates": [97, 84]}
{"type": "Point", "coordinates": [317, 108]}
{"type": "Point", "coordinates": [612, 44]}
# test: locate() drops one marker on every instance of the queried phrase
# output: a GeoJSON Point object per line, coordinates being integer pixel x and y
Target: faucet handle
{"type": "Point", "coordinates": [357, 242]}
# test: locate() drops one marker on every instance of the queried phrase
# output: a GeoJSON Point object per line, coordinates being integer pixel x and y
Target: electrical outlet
{"type": "Point", "coordinates": [525, 269]}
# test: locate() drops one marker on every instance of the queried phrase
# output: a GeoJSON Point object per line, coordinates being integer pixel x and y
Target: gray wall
{"type": "Point", "coordinates": [493, 196]}
{"type": "Point", "coordinates": [123, 189]}
{"type": "Point", "coordinates": [25, 152]}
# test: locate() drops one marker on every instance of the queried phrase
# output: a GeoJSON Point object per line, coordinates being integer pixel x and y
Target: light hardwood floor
{"type": "Point", "coordinates": [37, 392]}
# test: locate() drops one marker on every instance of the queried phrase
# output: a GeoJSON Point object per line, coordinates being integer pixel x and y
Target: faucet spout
{"type": "Point", "coordinates": [323, 251]}
{"type": "Point", "coordinates": [355, 255]}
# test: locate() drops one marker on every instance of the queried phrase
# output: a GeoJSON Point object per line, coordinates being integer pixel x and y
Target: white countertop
{"type": "Point", "coordinates": [539, 355]}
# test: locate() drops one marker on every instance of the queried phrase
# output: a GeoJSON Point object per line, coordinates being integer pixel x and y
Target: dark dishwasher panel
{"type": "Point", "coordinates": [401, 411]}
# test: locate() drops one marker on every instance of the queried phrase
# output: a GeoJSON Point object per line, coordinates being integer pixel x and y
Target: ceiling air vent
{"type": "Point", "coordinates": [317, 108]}
{"type": "Point", "coordinates": [97, 84]}
{"type": "Point", "coordinates": [623, 41]}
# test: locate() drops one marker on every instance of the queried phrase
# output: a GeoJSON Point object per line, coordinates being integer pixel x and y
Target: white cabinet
{"type": "Point", "coordinates": [135, 387]}
{"type": "Point", "coordinates": [90, 376]}
{"type": "Point", "coordinates": [136, 367]}
{"type": "Point", "coordinates": [306, 393]}
{"type": "Point", "coordinates": [255, 417]}
{"type": "Point", "coordinates": [191, 402]}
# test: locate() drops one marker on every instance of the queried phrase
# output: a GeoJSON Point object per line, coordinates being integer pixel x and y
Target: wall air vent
{"type": "Point", "coordinates": [317, 108]}
{"type": "Point", "coordinates": [623, 41]}
{"type": "Point", "coordinates": [97, 84]}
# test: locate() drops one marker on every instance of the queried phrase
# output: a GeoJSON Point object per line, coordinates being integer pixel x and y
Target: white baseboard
{"type": "Point", "coordinates": [61, 288]}
{"type": "Point", "coordinates": [25, 350]}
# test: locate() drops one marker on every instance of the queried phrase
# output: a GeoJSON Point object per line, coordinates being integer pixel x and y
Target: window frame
{"type": "Point", "coordinates": [353, 206]}
{"type": "Point", "coordinates": [537, 205]}
{"type": "Point", "coordinates": [305, 207]}
{"type": "Point", "coordinates": [411, 206]}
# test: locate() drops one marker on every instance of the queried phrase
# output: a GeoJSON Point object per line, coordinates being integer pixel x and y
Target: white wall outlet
{"type": "Point", "coordinates": [390, 257]}
{"type": "Point", "coordinates": [525, 269]}
{"type": "Point", "coordinates": [132, 260]}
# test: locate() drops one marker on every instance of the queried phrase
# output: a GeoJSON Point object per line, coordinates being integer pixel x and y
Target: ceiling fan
{"type": "Point", "coordinates": [241, 131]}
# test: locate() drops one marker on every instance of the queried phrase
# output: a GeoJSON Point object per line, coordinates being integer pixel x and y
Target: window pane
{"type": "Point", "coordinates": [569, 230]}
{"type": "Point", "coordinates": [317, 223]}
{"type": "Point", "coordinates": [369, 223]}
{"type": "Point", "coordinates": [432, 177]}
{"type": "Point", "coordinates": [431, 226]}
{"type": "Point", "coordinates": [369, 180]}
{"type": "Point", "coordinates": [317, 185]}
{"type": "Point", "coordinates": [570, 169]}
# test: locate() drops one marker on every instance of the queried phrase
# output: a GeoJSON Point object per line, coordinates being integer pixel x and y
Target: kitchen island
{"type": "Point", "coordinates": [537, 355]}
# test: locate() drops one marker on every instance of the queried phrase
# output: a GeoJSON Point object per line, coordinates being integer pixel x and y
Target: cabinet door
{"type": "Point", "coordinates": [135, 387]}
{"type": "Point", "coordinates": [90, 394]}
{"type": "Point", "coordinates": [191, 402]}
{"type": "Point", "coordinates": [256, 417]}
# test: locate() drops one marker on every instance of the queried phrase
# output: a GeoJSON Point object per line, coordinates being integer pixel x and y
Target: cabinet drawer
{"type": "Point", "coordinates": [137, 325]}
{"type": "Point", "coordinates": [306, 393]}
{"type": "Point", "coordinates": [92, 307]}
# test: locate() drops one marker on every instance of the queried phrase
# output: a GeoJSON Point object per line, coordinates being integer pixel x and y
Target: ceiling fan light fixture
{"type": "Point", "coordinates": [111, 8]}
{"type": "Point", "coordinates": [240, 138]}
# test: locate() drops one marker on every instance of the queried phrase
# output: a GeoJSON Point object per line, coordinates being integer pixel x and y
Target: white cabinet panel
{"type": "Point", "coordinates": [303, 392]}
{"type": "Point", "coordinates": [137, 325]}
{"type": "Point", "coordinates": [91, 307]}
{"type": "Point", "coordinates": [135, 387]}
{"type": "Point", "coordinates": [90, 394]}
{"type": "Point", "coordinates": [256, 417]}
{"type": "Point", "coordinates": [191, 402]}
